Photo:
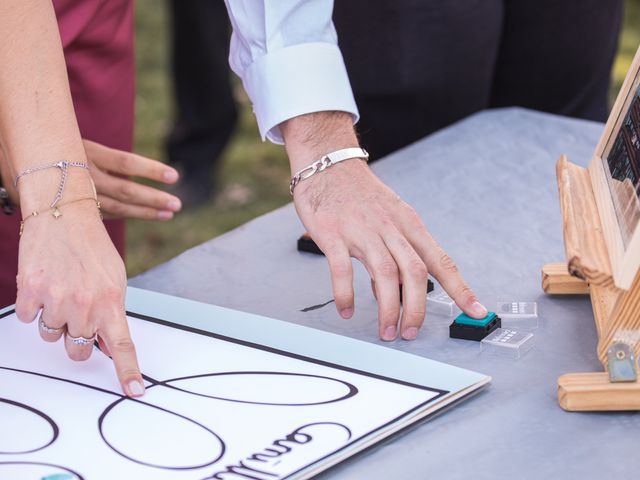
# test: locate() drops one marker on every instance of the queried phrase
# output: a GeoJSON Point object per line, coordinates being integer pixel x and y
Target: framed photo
{"type": "Point", "coordinates": [615, 176]}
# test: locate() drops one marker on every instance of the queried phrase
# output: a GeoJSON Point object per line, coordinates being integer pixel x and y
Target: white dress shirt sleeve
{"type": "Point", "coordinates": [286, 53]}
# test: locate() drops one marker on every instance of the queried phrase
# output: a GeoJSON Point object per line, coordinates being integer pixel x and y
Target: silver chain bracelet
{"type": "Point", "coordinates": [64, 168]}
{"type": "Point", "coordinates": [325, 162]}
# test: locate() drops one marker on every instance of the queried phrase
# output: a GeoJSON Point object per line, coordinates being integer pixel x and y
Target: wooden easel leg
{"type": "Point", "coordinates": [591, 392]}
{"type": "Point", "coordinates": [556, 280]}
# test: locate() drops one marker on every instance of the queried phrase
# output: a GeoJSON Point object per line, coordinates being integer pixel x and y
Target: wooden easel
{"type": "Point", "coordinates": [600, 264]}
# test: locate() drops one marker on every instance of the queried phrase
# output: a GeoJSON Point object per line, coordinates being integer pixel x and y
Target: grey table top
{"type": "Point", "coordinates": [486, 189]}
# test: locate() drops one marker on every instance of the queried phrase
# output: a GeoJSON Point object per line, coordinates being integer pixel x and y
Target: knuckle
{"type": "Point", "coordinates": [128, 374]}
{"type": "Point", "coordinates": [389, 311]}
{"type": "Point", "coordinates": [117, 208]}
{"type": "Point", "coordinates": [29, 283]}
{"type": "Point", "coordinates": [149, 214]}
{"type": "Point", "coordinates": [416, 316]}
{"type": "Point", "coordinates": [122, 345]}
{"type": "Point", "coordinates": [112, 294]}
{"type": "Point", "coordinates": [447, 263]}
{"type": "Point", "coordinates": [413, 217]}
{"type": "Point", "coordinates": [126, 191]}
{"type": "Point", "coordinates": [341, 268]}
{"type": "Point", "coordinates": [385, 220]}
{"type": "Point", "coordinates": [418, 269]}
{"type": "Point", "coordinates": [387, 268]}
{"type": "Point", "coordinates": [413, 221]}
{"type": "Point", "coordinates": [124, 162]}
{"type": "Point", "coordinates": [56, 293]}
{"type": "Point", "coordinates": [23, 312]}
{"type": "Point", "coordinates": [82, 299]}
{"type": "Point", "coordinates": [343, 298]}
{"type": "Point", "coordinates": [465, 291]}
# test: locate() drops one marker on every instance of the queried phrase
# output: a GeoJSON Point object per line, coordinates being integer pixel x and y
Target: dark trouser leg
{"type": "Point", "coordinates": [417, 66]}
{"type": "Point", "coordinates": [556, 56]}
{"type": "Point", "coordinates": [205, 108]}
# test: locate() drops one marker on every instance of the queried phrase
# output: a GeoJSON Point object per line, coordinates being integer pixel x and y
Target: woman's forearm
{"type": "Point", "coordinates": [37, 120]}
{"type": "Point", "coordinates": [70, 275]}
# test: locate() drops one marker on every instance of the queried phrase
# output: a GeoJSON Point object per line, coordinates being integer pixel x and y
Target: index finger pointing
{"type": "Point", "coordinates": [443, 268]}
{"type": "Point", "coordinates": [115, 334]}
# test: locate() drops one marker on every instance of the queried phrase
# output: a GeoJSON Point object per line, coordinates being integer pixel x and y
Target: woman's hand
{"type": "Point", "coordinates": [121, 197]}
{"type": "Point", "coordinates": [67, 265]}
{"type": "Point", "coordinates": [69, 268]}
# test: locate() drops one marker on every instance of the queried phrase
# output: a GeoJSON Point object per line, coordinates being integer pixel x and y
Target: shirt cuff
{"type": "Point", "coordinates": [292, 81]}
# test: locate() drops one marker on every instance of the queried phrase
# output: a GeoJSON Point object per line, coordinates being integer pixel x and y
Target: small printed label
{"type": "Point", "coordinates": [518, 309]}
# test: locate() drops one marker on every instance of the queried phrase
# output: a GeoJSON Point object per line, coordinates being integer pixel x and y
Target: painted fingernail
{"type": "Point", "coordinates": [347, 313]}
{"type": "Point", "coordinates": [410, 333]}
{"type": "Point", "coordinates": [390, 333]}
{"type": "Point", "coordinates": [170, 176]}
{"type": "Point", "coordinates": [165, 215]}
{"type": "Point", "coordinates": [174, 204]}
{"type": "Point", "coordinates": [478, 309]}
{"type": "Point", "coordinates": [136, 389]}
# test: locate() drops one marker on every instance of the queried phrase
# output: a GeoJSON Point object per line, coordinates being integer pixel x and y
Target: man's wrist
{"type": "Point", "coordinates": [309, 137]}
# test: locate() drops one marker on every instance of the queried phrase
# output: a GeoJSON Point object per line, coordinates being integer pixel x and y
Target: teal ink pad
{"type": "Point", "coordinates": [468, 328]}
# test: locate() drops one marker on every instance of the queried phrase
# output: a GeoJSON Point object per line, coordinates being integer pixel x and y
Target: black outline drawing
{"type": "Point", "coordinates": [166, 383]}
{"type": "Point", "coordinates": [106, 411]}
{"type": "Point", "coordinates": [55, 431]}
{"type": "Point", "coordinates": [352, 390]}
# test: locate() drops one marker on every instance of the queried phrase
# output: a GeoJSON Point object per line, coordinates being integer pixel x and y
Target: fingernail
{"type": "Point", "coordinates": [171, 176]}
{"type": "Point", "coordinates": [410, 333]}
{"type": "Point", "coordinates": [165, 215]}
{"type": "Point", "coordinates": [346, 313]}
{"type": "Point", "coordinates": [389, 333]}
{"type": "Point", "coordinates": [174, 204]}
{"type": "Point", "coordinates": [478, 309]}
{"type": "Point", "coordinates": [136, 389]}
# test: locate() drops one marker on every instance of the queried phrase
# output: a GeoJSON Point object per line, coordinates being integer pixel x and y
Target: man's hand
{"type": "Point", "coordinates": [349, 212]}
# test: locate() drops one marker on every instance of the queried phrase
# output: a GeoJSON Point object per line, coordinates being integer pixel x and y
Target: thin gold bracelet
{"type": "Point", "coordinates": [56, 213]}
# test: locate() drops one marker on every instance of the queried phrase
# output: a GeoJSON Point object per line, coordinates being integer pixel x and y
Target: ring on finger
{"type": "Point", "coordinates": [83, 341]}
{"type": "Point", "coordinates": [47, 329]}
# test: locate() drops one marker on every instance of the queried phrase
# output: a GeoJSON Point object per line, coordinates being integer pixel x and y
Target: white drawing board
{"type": "Point", "coordinates": [226, 398]}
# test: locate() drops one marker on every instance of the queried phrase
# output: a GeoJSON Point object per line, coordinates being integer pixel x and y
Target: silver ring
{"type": "Point", "coordinates": [47, 329]}
{"type": "Point", "coordinates": [82, 341]}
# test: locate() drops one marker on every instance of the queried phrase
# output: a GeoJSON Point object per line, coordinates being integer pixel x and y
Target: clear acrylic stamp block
{"type": "Point", "coordinates": [508, 343]}
{"type": "Point", "coordinates": [518, 314]}
{"type": "Point", "coordinates": [439, 303]}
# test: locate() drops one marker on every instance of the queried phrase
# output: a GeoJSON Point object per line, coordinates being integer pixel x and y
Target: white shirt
{"type": "Point", "coordinates": [286, 52]}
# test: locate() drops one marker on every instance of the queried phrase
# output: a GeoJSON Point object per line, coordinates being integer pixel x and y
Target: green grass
{"type": "Point", "coordinates": [254, 175]}
{"type": "Point", "coordinates": [629, 42]}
